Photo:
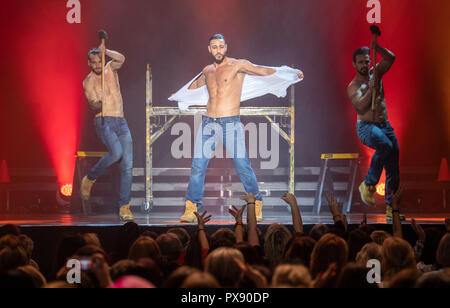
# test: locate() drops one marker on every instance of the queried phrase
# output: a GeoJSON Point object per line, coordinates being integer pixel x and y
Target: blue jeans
{"type": "Point", "coordinates": [230, 133]}
{"type": "Point", "coordinates": [381, 137]}
{"type": "Point", "coordinates": [115, 134]}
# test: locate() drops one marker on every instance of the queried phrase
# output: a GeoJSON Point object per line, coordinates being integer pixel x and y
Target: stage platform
{"type": "Point", "coordinates": [169, 219]}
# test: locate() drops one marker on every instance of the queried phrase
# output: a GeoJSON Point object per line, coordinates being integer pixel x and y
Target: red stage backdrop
{"type": "Point", "coordinates": [44, 60]}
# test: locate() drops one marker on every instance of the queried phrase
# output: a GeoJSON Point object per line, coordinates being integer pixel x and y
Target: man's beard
{"type": "Point", "coordinates": [97, 73]}
{"type": "Point", "coordinates": [219, 61]}
{"type": "Point", "coordinates": [364, 72]}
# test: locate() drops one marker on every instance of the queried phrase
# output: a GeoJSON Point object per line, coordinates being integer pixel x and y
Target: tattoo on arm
{"type": "Point", "coordinates": [198, 83]}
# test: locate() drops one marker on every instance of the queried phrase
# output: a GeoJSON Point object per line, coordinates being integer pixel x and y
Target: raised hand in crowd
{"type": "Point", "coordinates": [237, 213]}
{"type": "Point", "coordinates": [249, 198]}
{"type": "Point", "coordinates": [295, 210]}
{"type": "Point", "coordinates": [252, 231]}
{"type": "Point", "coordinates": [333, 205]}
{"type": "Point", "coordinates": [418, 230]}
{"type": "Point", "coordinates": [239, 228]}
{"type": "Point", "coordinates": [396, 200]}
{"type": "Point", "coordinates": [201, 221]}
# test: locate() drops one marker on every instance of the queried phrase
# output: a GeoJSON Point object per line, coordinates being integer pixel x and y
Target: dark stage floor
{"type": "Point", "coordinates": [163, 219]}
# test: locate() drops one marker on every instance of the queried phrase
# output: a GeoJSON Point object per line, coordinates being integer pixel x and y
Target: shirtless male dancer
{"type": "Point", "coordinates": [223, 79]}
{"type": "Point", "coordinates": [373, 127]}
{"type": "Point", "coordinates": [111, 126]}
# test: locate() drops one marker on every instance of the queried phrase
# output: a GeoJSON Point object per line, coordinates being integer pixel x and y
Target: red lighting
{"type": "Point", "coordinates": [51, 71]}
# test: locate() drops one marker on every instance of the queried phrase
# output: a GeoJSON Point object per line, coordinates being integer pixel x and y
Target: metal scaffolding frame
{"type": "Point", "coordinates": [154, 131]}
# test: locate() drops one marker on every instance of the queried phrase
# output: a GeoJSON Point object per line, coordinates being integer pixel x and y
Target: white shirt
{"type": "Point", "coordinates": [253, 86]}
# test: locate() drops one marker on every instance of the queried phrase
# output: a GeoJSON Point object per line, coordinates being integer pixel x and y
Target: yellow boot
{"type": "Point", "coordinates": [367, 194]}
{"type": "Point", "coordinates": [85, 189]}
{"type": "Point", "coordinates": [189, 215]}
{"type": "Point", "coordinates": [125, 213]}
{"type": "Point", "coordinates": [258, 210]}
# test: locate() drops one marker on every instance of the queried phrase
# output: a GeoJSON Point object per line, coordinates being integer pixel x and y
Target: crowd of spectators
{"type": "Point", "coordinates": [329, 256]}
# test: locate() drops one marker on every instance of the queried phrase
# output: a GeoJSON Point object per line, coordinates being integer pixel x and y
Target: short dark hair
{"type": "Point", "coordinates": [93, 51]}
{"type": "Point", "coordinates": [217, 36]}
{"type": "Point", "coordinates": [360, 51]}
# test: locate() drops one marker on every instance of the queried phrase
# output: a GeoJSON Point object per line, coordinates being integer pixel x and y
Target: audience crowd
{"type": "Point", "coordinates": [327, 257]}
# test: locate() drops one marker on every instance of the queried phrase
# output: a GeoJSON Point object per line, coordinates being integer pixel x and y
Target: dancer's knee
{"type": "Point", "coordinates": [386, 148]}
{"type": "Point", "coordinates": [198, 168]}
{"type": "Point", "coordinates": [115, 155]}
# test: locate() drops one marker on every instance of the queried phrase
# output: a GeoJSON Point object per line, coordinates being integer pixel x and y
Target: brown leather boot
{"type": "Point", "coordinates": [85, 189]}
{"type": "Point", "coordinates": [258, 210]}
{"type": "Point", "coordinates": [125, 213]}
{"type": "Point", "coordinates": [367, 194]}
{"type": "Point", "coordinates": [189, 215]}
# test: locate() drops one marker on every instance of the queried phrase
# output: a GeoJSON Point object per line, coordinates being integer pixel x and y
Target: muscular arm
{"type": "Point", "coordinates": [94, 102]}
{"type": "Point", "coordinates": [199, 82]}
{"type": "Point", "coordinates": [252, 224]}
{"type": "Point", "coordinates": [385, 64]}
{"type": "Point", "coordinates": [361, 102]}
{"type": "Point", "coordinates": [247, 67]}
{"type": "Point", "coordinates": [117, 59]}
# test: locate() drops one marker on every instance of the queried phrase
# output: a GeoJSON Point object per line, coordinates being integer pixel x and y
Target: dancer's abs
{"type": "Point", "coordinates": [113, 107]}
{"type": "Point", "coordinates": [378, 115]}
{"type": "Point", "coordinates": [224, 102]}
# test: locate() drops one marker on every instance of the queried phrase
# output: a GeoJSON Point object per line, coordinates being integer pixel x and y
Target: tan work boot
{"type": "Point", "coordinates": [258, 210]}
{"type": "Point", "coordinates": [125, 213]}
{"type": "Point", "coordinates": [189, 215]}
{"type": "Point", "coordinates": [85, 189]}
{"type": "Point", "coordinates": [367, 194]}
{"type": "Point", "coordinates": [389, 214]}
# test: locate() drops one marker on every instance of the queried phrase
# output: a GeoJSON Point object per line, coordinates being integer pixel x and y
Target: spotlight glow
{"type": "Point", "coordinates": [381, 189]}
{"type": "Point", "coordinates": [66, 190]}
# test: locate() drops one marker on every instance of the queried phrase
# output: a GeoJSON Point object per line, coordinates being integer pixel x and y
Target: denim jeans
{"type": "Point", "coordinates": [381, 137]}
{"type": "Point", "coordinates": [230, 133]}
{"type": "Point", "coordinates": [115, 134]}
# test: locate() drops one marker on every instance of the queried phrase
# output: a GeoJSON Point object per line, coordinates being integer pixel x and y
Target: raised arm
{"type": "Point", "coordinates": [247, 67]}
{"type": "Point", "coordinates": [340, 220]}
{"type": "Point", "coordinates": [239, 227]}
{"type": "Point", "coordinates": [95, 102]}
{"type": "Point", "coordinates": [421, 238]}
{"type": "Point", "coordinates": [396, 222]}
{"type": "Point", "coordinates": [295, 210]}
{"type": "Point", "coordinates": [201, 221]}
{"type": "Point", "coordinates": [252, 231]}
{"type": "Point", "coordinates": [385, 64]}
{"type": "Point", "coordinates": [118, 59]}
{"type": "Point", "coordinates": [199, 82]}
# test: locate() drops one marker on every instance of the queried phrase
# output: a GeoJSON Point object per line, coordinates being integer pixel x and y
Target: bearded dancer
{"type": "Point", "coordinates": [222, 86]}
{"type": "Point", "coordinates": [373, 127]}
{"type": "Point", "coordinates": [110, 125]}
